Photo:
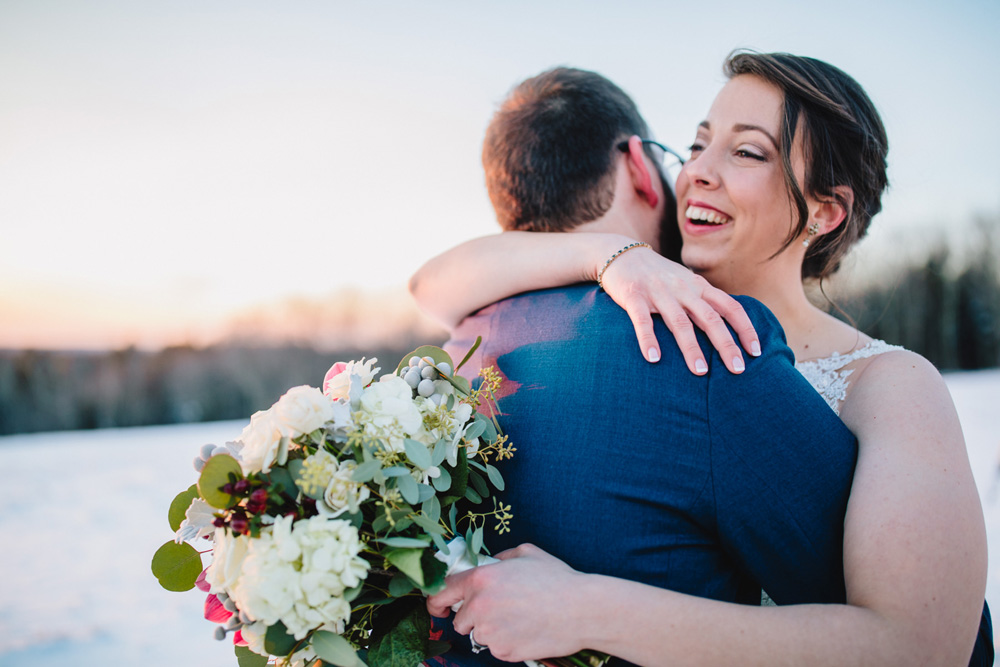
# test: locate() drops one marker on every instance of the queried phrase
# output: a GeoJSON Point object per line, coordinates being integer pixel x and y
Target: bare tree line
{"type": "Point", "coordinates": [944, 304]}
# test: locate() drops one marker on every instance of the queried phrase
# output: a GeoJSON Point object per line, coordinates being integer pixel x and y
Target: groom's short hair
{"type": "Point", "coordinates": [550, 147]}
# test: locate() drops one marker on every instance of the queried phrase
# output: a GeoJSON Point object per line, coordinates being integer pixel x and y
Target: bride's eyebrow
{"type": "Point", "coordinates": [743, 127]}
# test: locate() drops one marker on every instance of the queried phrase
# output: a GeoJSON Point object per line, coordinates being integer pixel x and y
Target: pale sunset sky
{"type": "Point", "coordinates": [165, 165]}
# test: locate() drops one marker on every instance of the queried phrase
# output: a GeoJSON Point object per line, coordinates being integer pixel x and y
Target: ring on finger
{"type": "Point", "coordinates": [476, 646]}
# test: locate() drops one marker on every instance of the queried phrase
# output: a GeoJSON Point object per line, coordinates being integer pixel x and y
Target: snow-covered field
{"type": "Point", "coordinates": [81, 514]}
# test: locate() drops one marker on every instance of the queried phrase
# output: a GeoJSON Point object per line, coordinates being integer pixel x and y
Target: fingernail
{"type": "Point", "coordinates": [700, 368]}
{"type": "Point", "coordinates": [653, 354]}
{"type": "Point", "coordinates": [755, 348]}
{"type": "Point", "coordinates": [738, 364]}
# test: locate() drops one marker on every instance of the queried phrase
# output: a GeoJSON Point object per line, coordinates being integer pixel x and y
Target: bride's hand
{"type": "Point", "coordinates": [644, 282]}
{"type": "Point", "coordinates": [527, 607]}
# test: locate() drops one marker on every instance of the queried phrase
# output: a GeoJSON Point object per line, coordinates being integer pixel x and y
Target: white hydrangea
{"type": "Point", "coordinates": [297, 572]}
{"type": "Point", "coordinates": [387, 412]}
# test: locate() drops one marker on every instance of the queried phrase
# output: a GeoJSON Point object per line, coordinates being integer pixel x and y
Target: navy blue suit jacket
{"type": "Point", "coordinates": [715, 486]}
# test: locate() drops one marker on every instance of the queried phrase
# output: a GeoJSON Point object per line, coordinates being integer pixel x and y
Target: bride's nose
{"type": "Point", "coordinates": [702, 169]}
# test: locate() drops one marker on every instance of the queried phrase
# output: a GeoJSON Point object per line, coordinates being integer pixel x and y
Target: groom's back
{"type": "Point", "coordinates": [713, 485]}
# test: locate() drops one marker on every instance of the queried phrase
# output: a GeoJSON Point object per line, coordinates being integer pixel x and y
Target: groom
{"type": "Point", "coordinates": [715, 485]}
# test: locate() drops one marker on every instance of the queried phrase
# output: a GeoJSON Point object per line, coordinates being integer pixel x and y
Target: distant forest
{"type": "Point", "coordinates": [944, 305]}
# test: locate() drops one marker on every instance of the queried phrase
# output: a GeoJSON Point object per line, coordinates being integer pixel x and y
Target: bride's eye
{"type": "Point", "coordinates": [695, 148]}
{"type": "Point", "coordinates": [743, 152]}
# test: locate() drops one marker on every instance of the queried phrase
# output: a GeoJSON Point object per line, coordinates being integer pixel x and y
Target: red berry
{"type": "Point", "coordinates": [241, 486]}
{"type": "Point", "coordinates": [259, 496]}
{"type": "Point", "coordinates": [239, 525]}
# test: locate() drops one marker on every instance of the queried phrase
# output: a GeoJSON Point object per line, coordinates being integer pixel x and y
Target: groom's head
{"type": "Point", "coordinates": [551, 150]}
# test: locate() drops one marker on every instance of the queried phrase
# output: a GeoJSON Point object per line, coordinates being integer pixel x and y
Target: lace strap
{"type": "Point", "coordinates": [826, 376]}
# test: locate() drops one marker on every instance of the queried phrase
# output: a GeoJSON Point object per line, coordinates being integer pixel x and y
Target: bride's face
{"type": "Point", "coordinates": [734, 209]}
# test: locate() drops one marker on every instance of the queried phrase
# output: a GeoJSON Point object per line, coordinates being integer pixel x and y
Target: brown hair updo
{"type": "Point", "coordinates": [844, 144]}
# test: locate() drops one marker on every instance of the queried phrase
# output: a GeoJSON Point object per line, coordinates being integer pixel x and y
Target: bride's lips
{"type": "Point", "coordinates": [699, 217]}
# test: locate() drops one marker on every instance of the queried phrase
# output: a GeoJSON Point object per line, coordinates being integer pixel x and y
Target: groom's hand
{"type": "Point", "coordinates": [521, 608]}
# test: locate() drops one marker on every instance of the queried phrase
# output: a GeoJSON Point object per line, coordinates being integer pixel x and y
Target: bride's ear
{"type": "Point", "coordinates": [638, 167]}
{"type": "Point", "coordinates": [830, 213]}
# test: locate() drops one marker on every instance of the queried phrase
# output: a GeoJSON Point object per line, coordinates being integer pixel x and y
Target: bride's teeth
{"type": "Point", "coordinates": [706, 215]}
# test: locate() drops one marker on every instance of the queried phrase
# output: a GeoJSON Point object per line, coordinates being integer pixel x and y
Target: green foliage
{"type": "Point", "coordinates": [218, 471]}
{"type": "Point", "coordinates": [179, 506]}
{"type": "Point", "coordinates": [278, 641]}
{"type": "Point", "coordinates": [335, 649]}
{"type": "Point", "coordinates": [176, 566]}
{"type": "Point", "coordinates": [409, 642]}
{"type": "Point", "coordinates": [247, 658]}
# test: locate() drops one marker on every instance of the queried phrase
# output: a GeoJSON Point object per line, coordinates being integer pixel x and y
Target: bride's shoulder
{"type": "Point", "coordinates": [897, 387]}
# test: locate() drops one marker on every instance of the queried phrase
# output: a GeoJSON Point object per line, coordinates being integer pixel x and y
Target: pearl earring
{"type": "Point", "coordinates": [813, 231]}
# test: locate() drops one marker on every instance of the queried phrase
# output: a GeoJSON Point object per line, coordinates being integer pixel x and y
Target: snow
{"type": "Point", "coordinates": [83, 512]}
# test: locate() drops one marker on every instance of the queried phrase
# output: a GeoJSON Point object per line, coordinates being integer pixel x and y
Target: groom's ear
{"type": "Point", "coordinates": [639, 169]}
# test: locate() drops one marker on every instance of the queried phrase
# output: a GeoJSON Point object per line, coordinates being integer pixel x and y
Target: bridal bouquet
{"type": "Point", "coordinates": [324, 518]}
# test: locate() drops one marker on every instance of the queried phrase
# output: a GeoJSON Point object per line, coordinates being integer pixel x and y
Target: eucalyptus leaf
{"type": "Point", "coordinates": [472, 350]}
{"type": "Point", "coordinates": [479, 483]}
{"type": "Point", "coordinates": [474, 430]}
{"type": "Point", "coordinates": [179, 506]}
{"type": "Point", "coordinates": [453, 519]}
{"type": "Point", "coordinates": [396, 471]}
{"type": "Point", "coordinates": [417, 453]}
{"type": "Point", "coordinates": [366, 471]}
{"type": "Point", "coordinates": [432, 508]}
{"type": "Point", "coordinates": [490, 429]}
{"type": "Point", "coordinates": [217, 473]}
{"type": "Point", "coordinates": [277, 641]}
{"type": "Point", "coordinates": [351, 594]}
{"type": "Point", "coordinates": [335, 649]}
{"type": "Point", "coordinates": [400, 585]}
{"type": "Point", "coordinates": [247, 658]}
{"type": "Point", "coordinates": [283, 479]}
{"type": "Point", "coordinates": [403, 524]}
{"type": "Point", "coordinates": [495, 477]}
{"type": "Point", "coordinates": [424, 493]}
{"type": "Point", "coordinates": [439, 542]}
{"type": "Point", "coordinates": [477, 540]}
{"type": "Point", "coordinates": [404, 542]}
{"type": "Point", "coordinates": [472, 496]}
{"type": "Point", "coordinates": [408, 487]}
{"type": "Point", "coordinates": [176, 566]}
{"type": "Point", "coordinates": [443, 481]}
{"type": "Point", "coordinates": [431, 527]}
{"type": "Point", "coordinates": [439, 452]}
{"type": "Point", "coordinates": [477, 465]}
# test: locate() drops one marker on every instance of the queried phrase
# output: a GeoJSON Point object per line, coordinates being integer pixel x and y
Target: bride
{"type": "Point", "coordinates": [785, 174]}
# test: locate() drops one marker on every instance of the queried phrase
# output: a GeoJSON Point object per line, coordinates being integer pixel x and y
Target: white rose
{"type": "Point", "coordinates": [261, 439]}
{"type": "Point", "coordinates": [343, 493]}
{"type": "Point", "coordinates": [302, 410]}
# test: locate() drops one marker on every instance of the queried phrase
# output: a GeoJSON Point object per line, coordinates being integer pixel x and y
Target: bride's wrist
{"type": "Point", "coordinates": [599, 249]}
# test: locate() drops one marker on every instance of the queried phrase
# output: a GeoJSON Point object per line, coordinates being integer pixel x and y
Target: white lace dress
{"type": "Point", "coordinates": [828, 377]}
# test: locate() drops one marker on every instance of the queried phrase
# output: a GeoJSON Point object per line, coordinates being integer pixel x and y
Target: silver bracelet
{"type": "Point", "coordinates": [630, 246]}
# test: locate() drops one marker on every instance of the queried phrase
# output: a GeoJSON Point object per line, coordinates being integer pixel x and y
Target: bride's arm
{"type": "Point", "coordinates": [914, 564]}
{"type": "Point", "coordinates": [492, 268]}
